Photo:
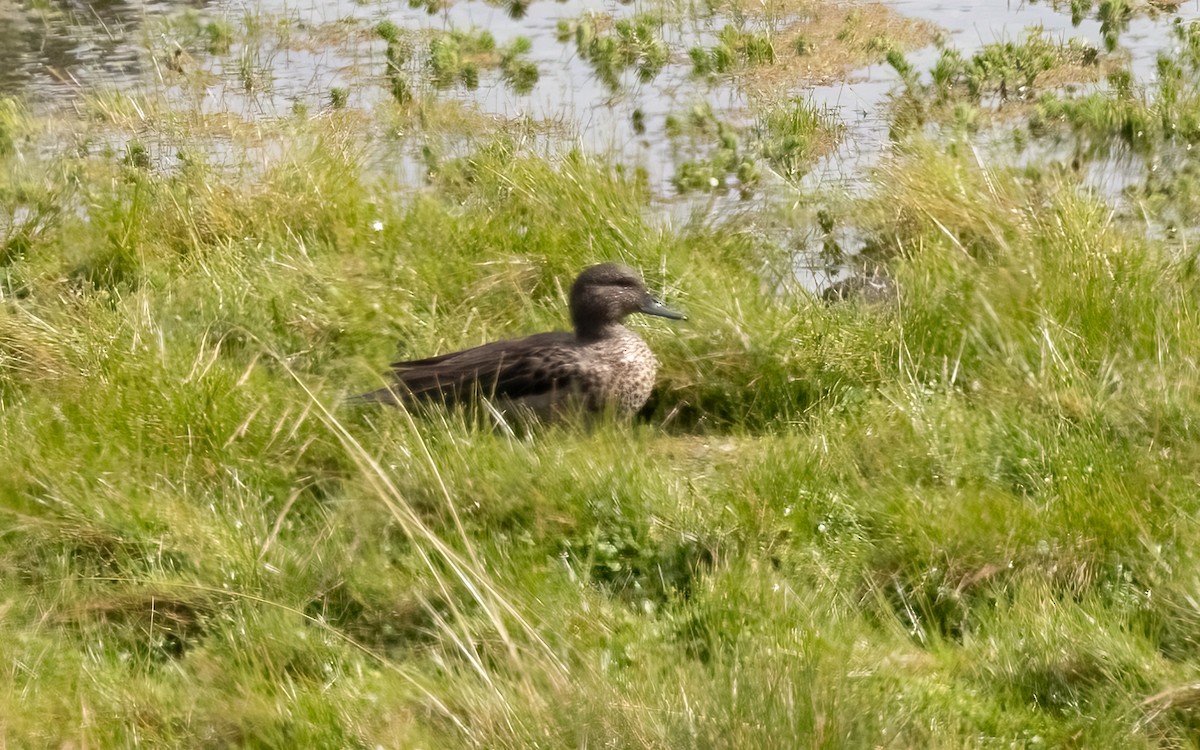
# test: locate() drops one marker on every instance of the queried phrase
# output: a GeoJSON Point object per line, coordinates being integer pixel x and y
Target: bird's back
{"type": "Point", "coordinates": [529, 368]}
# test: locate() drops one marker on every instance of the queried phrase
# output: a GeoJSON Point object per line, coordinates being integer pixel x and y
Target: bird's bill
{"type": "Point", "coordinates": [651, 306]}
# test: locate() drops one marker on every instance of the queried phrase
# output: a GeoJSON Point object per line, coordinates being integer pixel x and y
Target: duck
{"type": "Point", "coordinates": [600, 365]}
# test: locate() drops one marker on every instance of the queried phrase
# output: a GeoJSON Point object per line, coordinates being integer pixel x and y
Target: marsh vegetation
{"type": "Point", "coordinates": [965, 515]}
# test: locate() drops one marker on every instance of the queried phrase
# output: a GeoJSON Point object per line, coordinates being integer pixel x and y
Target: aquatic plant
{"type": "Point", "coordinates": [1159, 123]}
{"type": "Point", "coordinates": [791, 134]}
{"type": "Point", "coordinates": [521, 74]}
{"type": "Point", "coordinates": [788, 136]}
{"type": "Point", "coordinates": [455, 56]}
{"type": "Point", "coordinates": [735, 47]}
{"type": "Point", "coordinates": [611, 48]}
{"type": "Point", "coordinates": [997, 75]}
{"type": "Point", "coordinates": [396, 54]}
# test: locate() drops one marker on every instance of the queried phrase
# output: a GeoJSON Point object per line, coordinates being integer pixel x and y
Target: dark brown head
{"type": "Point", "coordinates": [605, 294]}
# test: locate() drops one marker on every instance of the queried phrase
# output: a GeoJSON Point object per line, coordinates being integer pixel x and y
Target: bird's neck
{"type": "Point", "coordinates": [598, 331]}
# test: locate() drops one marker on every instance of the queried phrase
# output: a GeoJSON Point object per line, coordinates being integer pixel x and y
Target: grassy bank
{"type": "Point", "coordinates": [963, 518]}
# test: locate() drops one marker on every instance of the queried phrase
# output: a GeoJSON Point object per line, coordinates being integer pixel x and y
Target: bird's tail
{"type": "Point", "coordinates": [389, 396]}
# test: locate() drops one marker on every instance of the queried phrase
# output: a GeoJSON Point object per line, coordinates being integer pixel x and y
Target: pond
{"type": "Point", "coordinates": [300, 52]}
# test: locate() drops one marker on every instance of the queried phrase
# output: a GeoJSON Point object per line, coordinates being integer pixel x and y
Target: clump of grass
{"type": "Point", "coordinates": [432, 7]}
{"type": "Point", "coordinates": [30, 204]}
{"type": "Point", "coordinates": [1009, 69]}
{"type": "Point", "coordinates": [852, 28]}
{"type": "Point", "coordinates": [788, 136]}
{"type": "Point", "coordinates": [192, 31]}
{"type": "Point", "coordinates": [1158, 123]}
{"type": "Point", "coordinates": [735, 48]}
{"type": "Point", "coordinates": [219, 36]}
{"type": "Point", "coordinates": [611, 48]}
{"type": "Point", "coordinates": [1143, 120]}
{"type": "Point", "coordinates": [1114, 18]}
{"type": "Point", "coordinates": [792, 134]}
{"type": "Point", "coordinates": [999, 74]}
{"type": "Point", "coordinates": [638, 121]}
{"type": "Point", "coordinates": [456, 57]}
{"type": "Point", "coordinates": [15, 126]}
{"type": "Point", "coordinates": [711, 173]}
{"type": "Point", "coordinates": [516, 8]}
{"type": "Point", "coordinates": [1114, 15]}
{"type": "Point", "coordinates": [521, 74]}
{"type": "Point", "coordinates": [388, 31]}
{"type": "Point", "coordinates": [396, 54]}
{"type": "Point", "coordinates": [771, 46]}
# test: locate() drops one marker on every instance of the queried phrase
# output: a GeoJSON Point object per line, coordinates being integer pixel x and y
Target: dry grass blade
{"type": "Point", "coordinates": [485, 593]}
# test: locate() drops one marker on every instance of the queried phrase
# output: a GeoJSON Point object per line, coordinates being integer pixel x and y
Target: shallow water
{"type": "Point", "coordinates": [969, 26]}
{"type": "Point", "coordinates": [67, 47]}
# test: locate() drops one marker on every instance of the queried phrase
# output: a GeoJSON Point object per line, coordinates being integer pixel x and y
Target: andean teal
{"type": "Point", "coordinates": [601, 365]}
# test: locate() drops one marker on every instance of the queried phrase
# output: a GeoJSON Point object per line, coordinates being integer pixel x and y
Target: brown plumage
{"type": "Point", "coordinates": [601, 365]}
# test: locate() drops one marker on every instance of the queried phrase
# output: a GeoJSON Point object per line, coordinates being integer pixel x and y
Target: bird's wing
{"type": "Point", "coordinates": [513, 369]}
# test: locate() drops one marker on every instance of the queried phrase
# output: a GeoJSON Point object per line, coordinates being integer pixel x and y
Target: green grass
{"type": "Point", "coordinates": [1000, 79]}
{"type": "Point", "coordinates": [788, 136]}
{"type": "Point", "coordinates": [1157, 123]}
{"type": "Point", "coordinates": [613, 47]}
{"type": "Point", "coordinates": [451, 58]}
{"type": "Point", "coordinates": [966, 519]}
{"type": "Point", "coordinates": [1114, 15]}
{"type": "Point", "coordinates": [969, 517]}
{"type": "Point", "coordinates": [734, 48]}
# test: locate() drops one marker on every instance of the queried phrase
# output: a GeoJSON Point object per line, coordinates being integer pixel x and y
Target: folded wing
{"type": "Point", "coordinates": [517, 369]}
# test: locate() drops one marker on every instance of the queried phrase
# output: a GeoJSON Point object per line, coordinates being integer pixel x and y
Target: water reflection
{"type": "Point", "coordinates": [58, 47]}
{"type": "Point", "coordinates": [54, 46]}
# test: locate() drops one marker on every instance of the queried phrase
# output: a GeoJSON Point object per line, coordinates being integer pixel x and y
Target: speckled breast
{"type": "Point", "coordinates": [627, 373]}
